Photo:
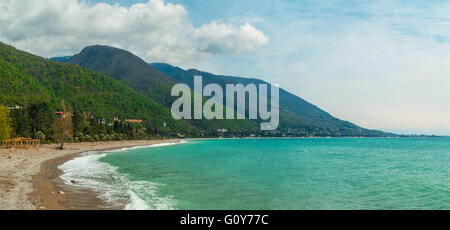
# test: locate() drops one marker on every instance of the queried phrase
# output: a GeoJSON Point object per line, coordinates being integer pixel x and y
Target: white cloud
{"type": "Point", "coordinates": [219, 37]}
{"type": "Point", "coordinates": [155, 30]}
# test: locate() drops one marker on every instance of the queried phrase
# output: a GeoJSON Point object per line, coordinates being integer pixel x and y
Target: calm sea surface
{"type": "Point", "coordinates": [317, 173]}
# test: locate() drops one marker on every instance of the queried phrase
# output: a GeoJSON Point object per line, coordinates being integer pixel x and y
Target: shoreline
{"type": "Point", "coordinates": [29, 179]}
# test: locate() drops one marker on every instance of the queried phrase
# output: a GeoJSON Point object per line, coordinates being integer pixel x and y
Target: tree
{"type": "Point", "coordinates": [21, 123]}
{"type": "Point", "coordinates": [62, 127]}
{"type": "Point", "coordinates": [5, 123]}
{"type": "Point", "coordinates": [41, 115]}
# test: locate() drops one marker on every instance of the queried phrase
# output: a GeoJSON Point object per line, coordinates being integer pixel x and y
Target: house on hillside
{"type": "Point", "coordinates": [17, 107]}
{"type": "Point", "coordinates": [221, 132]}
{"type": "Point", "coordinates": [59, 114]}
{"type": "Point", "coordinates": [101, 121]}
{"type": "Point", "coordinates": [88, 115]}
{"type": "Point", "coordinates": [137, 121]}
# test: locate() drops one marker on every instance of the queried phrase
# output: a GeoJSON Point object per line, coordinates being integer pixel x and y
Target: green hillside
{"type": "Point", "coordinates": [28, 79]}
{"type": "Point", "coordinates": [141, 77]}
{"type": "Point", "coordinates": [128, 69]}
{"type": "Point", "coordinates": [297, 116]}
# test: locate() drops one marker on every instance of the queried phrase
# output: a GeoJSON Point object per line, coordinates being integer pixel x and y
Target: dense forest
{"type": "Point", "coordinates": [34, 87]}
{"type": "Point", "coordinates": [37, 120]}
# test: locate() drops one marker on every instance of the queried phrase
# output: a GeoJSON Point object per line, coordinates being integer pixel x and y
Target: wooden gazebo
{"type": "Point", "coordinates": [22, 143]}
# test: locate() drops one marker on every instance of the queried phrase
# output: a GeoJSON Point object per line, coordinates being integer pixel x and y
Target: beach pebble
{"type": "Point", "coordinates": [61, 192]}
{"type": "Point", "coordinates": [73, 182]}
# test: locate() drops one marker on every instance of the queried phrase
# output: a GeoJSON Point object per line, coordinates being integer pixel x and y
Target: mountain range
{"type": "Point", "coordinates": [297, 116]}
{"type": "Point", "coordinates": [108, 81]}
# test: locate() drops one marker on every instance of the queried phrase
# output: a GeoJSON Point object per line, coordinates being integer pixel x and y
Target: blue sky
{"type": "Point", "coordinates": [380, 64]}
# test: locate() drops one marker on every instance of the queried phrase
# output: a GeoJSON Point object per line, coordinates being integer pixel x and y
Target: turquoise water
{"type": "Point", "coordinates": [316, 173]}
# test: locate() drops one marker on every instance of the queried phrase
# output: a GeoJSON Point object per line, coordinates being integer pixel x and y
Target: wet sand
{"type": "Point", "coordinates": [29, 179]}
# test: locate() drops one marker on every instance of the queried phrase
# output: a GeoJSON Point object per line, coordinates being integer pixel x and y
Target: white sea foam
{"type": "Point", "coordinates": [142, 196]}
{"type": "Point", "coordinates": [145, 146]}
{"type": "Point", "coordinates": [89, 172]}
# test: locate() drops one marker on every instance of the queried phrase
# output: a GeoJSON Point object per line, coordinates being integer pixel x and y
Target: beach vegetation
{"type": "Point", "coordinates": [5, 123]}
{"type": "Point", "coordinates": [62, 126]}
{"type": "Point", "coordinates": [40, 136]}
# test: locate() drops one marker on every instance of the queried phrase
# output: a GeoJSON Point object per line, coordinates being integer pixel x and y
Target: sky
{"type": "Point", "coordinates": [379, 64]}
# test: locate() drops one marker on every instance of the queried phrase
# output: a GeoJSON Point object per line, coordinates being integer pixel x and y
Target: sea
{"type": "Point", "coordinates": [272, 173]}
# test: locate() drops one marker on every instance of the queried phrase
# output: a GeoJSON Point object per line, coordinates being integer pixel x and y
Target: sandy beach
{"type": "Point", "coordinates": [29, 179]}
